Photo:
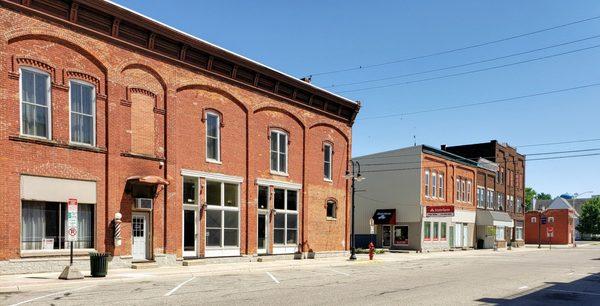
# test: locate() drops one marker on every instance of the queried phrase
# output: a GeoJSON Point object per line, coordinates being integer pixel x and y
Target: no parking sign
{"type": "Point", "coordinates": [72, 229]}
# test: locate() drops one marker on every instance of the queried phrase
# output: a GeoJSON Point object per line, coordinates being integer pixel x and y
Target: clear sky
{"type": "Point", "coordinates": [306, 37]}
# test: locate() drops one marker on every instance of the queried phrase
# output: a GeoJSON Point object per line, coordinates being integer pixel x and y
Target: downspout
{"type": "Point", "coordinates": [165, 137]}
{"type": "Point", "coordinates": [348, 152]}
{"type": "Point", "coordinates": [247, 178]}
{"type": "Point", "coordinates": [107, 221]}
{"type": "Point", "coordinates": [304, 206]}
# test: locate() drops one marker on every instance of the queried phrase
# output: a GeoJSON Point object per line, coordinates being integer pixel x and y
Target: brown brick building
{"type": "Point", "coordinates": [504, 187]}
{"type": "Point", "coordinates": [203, 152]}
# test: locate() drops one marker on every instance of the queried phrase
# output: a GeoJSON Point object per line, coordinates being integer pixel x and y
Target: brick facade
{"type": "Point", "coordinates": [150, 121]}
{"type": "Point", "coordinates": [560, 220]}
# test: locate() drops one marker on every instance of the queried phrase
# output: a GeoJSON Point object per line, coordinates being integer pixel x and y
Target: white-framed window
{"type": "Point", "coordinates": [480, 197]}
{"type": "Point", "coordinates": [519, 205]}
{"type": "Point", "coordinates": [427, 183]}
{"type": "Point", "coordinates": [436, 231]}
{"type": "Point", "coordinates": [490, 199]}
{"type": "Point", "coordinates": [463, 196]}
{"type": "Point", "coordinates": [441, 183]}
{"type": "Point", "coordinates": [331, 209]}
{"type": "Point", "coordinates": [433, 184]}
{"type": "Point", "coordinates": [427, 230]}
{"type": "Point", "coordinates": [36, 115]}
{"type": "Point", "coordinates": [519, 233]}
{"type": "Point", "coordinates": [213, 137]}
{"type": "Point", "coordinates": [327, 158]}
{"type": "Point", "coordinates": [500, 233]}
{"type": "Point", "coordinates": [533, 220]}
{"type": "Point", "coordinates": [457, 189]}
{"type": "Point", "coordinates": [469, 192]}
{"type": "Point", "coordinates": [83, 113]}
{"type": "Point", "coordinates": [285, 228]}
{"type": "Point", "coordinates": [443, 231]}
{"type": "Point", "coordinates": [279, 149]}
{"type": "Point", "coordinates": [222, 214]}
{"type": "Point", "coordinates": [550, 219]}
{"type": "Point", "coordinates": [500, 201]}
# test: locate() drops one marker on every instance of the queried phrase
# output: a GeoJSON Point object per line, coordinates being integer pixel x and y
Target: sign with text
{"type": "Point", "coordinates": [72, 226]}
{"type": "Point", "coordinates": [440, 211]}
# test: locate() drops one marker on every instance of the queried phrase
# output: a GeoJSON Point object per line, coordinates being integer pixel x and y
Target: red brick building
{"type": "Point", "coordinates": [203, 152]}
{"type": "Point", "coordinates": [557, 227]}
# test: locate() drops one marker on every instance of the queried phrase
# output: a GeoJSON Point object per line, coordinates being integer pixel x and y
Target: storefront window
{"type": "Point", "coordinates": [519, 233]}
{"type": "Point", "coordinates": [222, 214]}
{"type": "Point", "coordinates": [43, 226]}
{"type": "Point", "coordinates": [263, 197]}
{"type": "Point", "coordinates": [285, 229]}
{"type": "Point", "coordinates": [443, 231]}
{"type": "Point", "coordinates": [400, 235]}
{"type": "Point", "coordinates": [500, 233]}
{"type": "Point", "coordinates": [427, 230]}
{"type": "Point", "coordinates": [189, 190]}
{"type": "Point", "coordinates": [436, 230]}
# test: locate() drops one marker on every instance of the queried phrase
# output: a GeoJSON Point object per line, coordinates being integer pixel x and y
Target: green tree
{"type": "Point", "coordinates": [543, 196]}
{"type": "Point", "coordinates": [529, 195]}
{"type": "Point", "coordinates": [589, 221]}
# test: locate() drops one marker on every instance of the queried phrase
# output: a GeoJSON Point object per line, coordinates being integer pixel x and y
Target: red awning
{"type": "Point", "coordinates": [149, 179]}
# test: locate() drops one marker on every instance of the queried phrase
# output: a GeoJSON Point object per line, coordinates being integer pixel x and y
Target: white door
{"type": "Point", "coordinates": [139, 235]}
{"type": "Point", "coordinates": [190, 233]}
{"type": "Point", "coordinates": [457, 235]}
{"type": "Point", "coordinates": [465, 235]}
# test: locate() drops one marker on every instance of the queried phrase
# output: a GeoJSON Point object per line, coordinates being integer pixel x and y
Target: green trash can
{"type": "Point", "coordinates": [99, 264]}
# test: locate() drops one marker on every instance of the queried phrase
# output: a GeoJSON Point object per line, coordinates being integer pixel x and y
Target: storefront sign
{"type": "Point", "coordinates": [72, 226]}
{"type": "Point", "coordinates": [440, 211]}
{"type": "Point", "coordinates": [488, 165]}
{"type": "Point", "coordinates": [385, 216]}
{"type": "Point", "coordinates": [48, 244]}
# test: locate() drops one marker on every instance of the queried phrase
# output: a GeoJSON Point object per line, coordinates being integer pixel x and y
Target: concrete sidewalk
{"type": "Point", "coordinates": [24, 282]}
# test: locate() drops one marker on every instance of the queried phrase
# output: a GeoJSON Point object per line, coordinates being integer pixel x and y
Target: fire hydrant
{"type": "Point", "coordinates": [371, 250]}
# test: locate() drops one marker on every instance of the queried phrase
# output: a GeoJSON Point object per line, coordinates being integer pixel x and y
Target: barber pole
{"type": "Point", "coordinates": [118, 217]}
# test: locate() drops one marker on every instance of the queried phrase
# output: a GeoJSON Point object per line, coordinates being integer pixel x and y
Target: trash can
{"type": "Point", "coordinates": [480, 243]}
{"type": "Point", "coordinates": [99, 264]}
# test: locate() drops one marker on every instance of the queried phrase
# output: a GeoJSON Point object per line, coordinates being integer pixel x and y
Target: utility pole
{"type": "Point", "coordinates": [355, 176]}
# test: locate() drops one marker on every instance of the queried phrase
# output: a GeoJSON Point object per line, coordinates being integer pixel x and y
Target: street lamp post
{"type": "Point", "coordinates": [355, 176]}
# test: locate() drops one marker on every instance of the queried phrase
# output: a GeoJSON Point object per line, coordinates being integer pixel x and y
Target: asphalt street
{"type": "Point", "coordinates": [520, 277]}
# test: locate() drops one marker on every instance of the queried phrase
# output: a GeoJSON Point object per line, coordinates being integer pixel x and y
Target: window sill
{"type": "Point", "coordinates": [213, 161]}
{"type": "Point", "coordinates": [54, 143]}
{"type": "Point", "coordinates": [331, 219]}
{"type": "Point", "coordinates": [328, 180]}
{"type": "Point", "coordinates": [279, 173]}
{"type": "Point", "coordinates": [142, 156]}
{"type": "Point", "coordinates": [55, 253]}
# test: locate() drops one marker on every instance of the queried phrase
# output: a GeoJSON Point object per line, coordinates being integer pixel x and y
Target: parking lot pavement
{"type": "Point", "coordinates": [459, 278]}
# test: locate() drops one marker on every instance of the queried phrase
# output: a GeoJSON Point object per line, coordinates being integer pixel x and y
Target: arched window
{"type": "Point", "coordinates": [213, 137]}
{"type": "Point", "coordinates": [279, 149]}
{"type": "Point", "coordinates": [331, 209]}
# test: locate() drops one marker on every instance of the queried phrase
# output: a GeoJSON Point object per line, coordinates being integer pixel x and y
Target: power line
{"type": "Point", "coordinates": [561, 157]}
{"type": "Point", "coordinates": [557, 143]}
{"type": "Point", "coordinates": [562, 152]}
{"type": "Point", "coordinates": [362, 67]}
{"type": "Point", "coordinates": [470, 71]}
{"type": "Point", "coordinates": [481, 103]}
{"type": "Point", "coordinates": [461, 65]}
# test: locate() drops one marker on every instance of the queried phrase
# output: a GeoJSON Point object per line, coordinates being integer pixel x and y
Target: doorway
{"type": "Point", "coordinates": [139, 240]}
{"type": "Point", "coordinates": [190, 233]}
{"type": "Point", "coordinates": [386, 236]}
{"type": "Point", "coordinates": [262, 233]}
{"type": "Point", "coordinates": [465, 235]}
{"type": "Point", "coordinates": [458, 230]}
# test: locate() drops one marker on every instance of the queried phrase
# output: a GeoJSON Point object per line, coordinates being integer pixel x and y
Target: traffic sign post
{"type": "Point", "coordinates": [71, 234]}
{"type": "Point", "coordinates": [550, 234]}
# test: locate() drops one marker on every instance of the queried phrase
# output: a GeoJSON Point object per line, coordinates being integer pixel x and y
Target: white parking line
{"type": "Point", "coordinates": [339, 272]}
{"type": "Point", "coordinates": [51, 294]}
{"type": "Point", "coordinates": [523, 287]}
{"type": "Point", "coordinates": [179, 286]}
{"type": "Point", "coordinates": [575, 292]}
{"type": "Point", "coordinates": [272, 277]}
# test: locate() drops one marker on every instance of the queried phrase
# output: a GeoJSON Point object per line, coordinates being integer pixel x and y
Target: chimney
{"type": "Point", "coordinates": [443, 147]}
{"type": "Point", "coordinates": [533, 203]}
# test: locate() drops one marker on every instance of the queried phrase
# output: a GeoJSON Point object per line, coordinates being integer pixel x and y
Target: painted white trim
{"type": "Point", "coordinates": [221, 252]}
{"type": "Point", "coordinates": [213, 176]}
{"type": "Point", "coordinates": [278, 249]}
{"type": "Point", "coordinates": [208, 159]}
{"type": "Point", "coordinates": [48, 106]}
{"type": "Point", "coordinates": [94, 104]}
{"type": "Point", "coordinates": [225, 50]}
{"type": "Point", "coordinates": [328, 146]}
{"type": "Point", "coordinates": [278, 184]}
{"type": "Point", "coordinates": [278, 151]}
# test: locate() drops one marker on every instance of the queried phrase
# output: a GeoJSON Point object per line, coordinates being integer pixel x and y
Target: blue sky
{"type": "Point", "coordinates": [304, 37]}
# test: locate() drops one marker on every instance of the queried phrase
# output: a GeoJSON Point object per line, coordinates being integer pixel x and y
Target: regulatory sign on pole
{"type": "Point", "coordinates": [372, 226]}
{"type": "Point", "coordinates": [544, 219]}
{"type": "Point", "coordinates": [72, 229]}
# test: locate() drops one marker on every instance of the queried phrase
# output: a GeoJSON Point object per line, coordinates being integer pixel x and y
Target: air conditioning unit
{"type": "Point", "coordinates": [143, 203]}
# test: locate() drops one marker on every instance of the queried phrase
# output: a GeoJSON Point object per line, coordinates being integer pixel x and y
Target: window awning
{"type": "Point", "coordinates": [494, 218]}
{"type": "Point", "coordinates": [148, 179]}
{"type": "Point", "coordinates": [385, 216]}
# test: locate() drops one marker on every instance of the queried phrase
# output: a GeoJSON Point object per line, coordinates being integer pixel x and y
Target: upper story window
{"type": "Point", "coordinates": [469, 192]}
{"type": "Point", "coordinates": [441, 186]}
{"type": "Point", "coordinates": [327, 154]}
{"type": "Point", "coordinates": [490, 199]}
{"type": "Point", "coordinates": [433, 184]}
{"type": "Point", "coordinates": [35, 103]}
{"type": "Point", "coordinates": [279, 148]}
{"type": "Point", "coordinates": [427, 183]}
{"type": "Point", "coordinates": [463, 191]}
{"type": "Point", "coordinates": [500, 201]}
{"type": "Point", "coordinates": [83, 113]}
{"type": "Point", "coordinates": [480, 197]}
{"type": "Point", "coordinates": [457, 189]}
{"type": "Point", "coordinates": [213, 137]}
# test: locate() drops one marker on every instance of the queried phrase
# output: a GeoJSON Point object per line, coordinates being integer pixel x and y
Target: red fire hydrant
{"type": "Point", "coordinates": [371, 250]}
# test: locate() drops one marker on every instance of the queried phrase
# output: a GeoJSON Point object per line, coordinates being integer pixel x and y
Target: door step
{"type": "Point", "coordinates": [144, 265]}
